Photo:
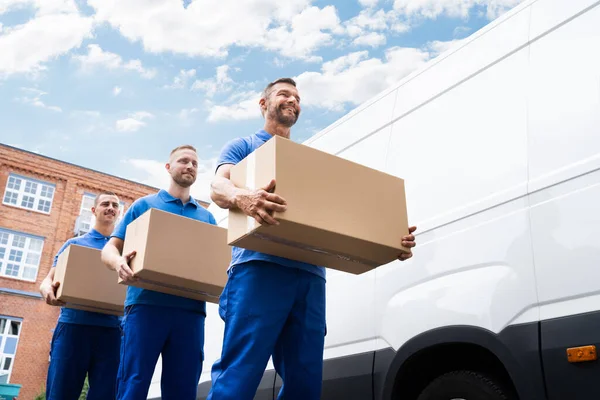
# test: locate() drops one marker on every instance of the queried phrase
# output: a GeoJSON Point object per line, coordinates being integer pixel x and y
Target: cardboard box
{"type": "Point", "coordinates": [340, 214]}
{"type": "Point", "coordinates": [86, 283]}
{"type": "Point", "coordinates": [178, 255]}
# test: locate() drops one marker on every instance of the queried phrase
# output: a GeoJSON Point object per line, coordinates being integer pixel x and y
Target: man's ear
{"type": "Point", "coordinates": [263, 105]}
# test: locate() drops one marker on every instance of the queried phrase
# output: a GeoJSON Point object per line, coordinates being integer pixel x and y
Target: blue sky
{"type": "Point", "coordinates": [113, 85]}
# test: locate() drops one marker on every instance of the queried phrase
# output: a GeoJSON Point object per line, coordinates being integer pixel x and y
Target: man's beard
{"type": "Point", "coordinates": [282, 118]}
{"type": "Point", "coordinates": [183, 182]}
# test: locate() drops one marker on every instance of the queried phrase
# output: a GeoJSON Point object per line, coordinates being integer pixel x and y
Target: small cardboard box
{"type": "Point", "coordinates": [340, 214]}
{"type": "Point", "coordinates": [178, 255]}
{"type": "Point", "coordinates": [86, 283]}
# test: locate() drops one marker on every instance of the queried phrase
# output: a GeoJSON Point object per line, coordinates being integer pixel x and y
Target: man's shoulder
{"type": "Point", "coordinates": [77, 240]}
{"type": "Point", "coordinates": [243, 142]}
{"type": "Point", "coordinates": [203, 213]}
{"type": "Point", "coordinates": [235, 150]}
{"type": "Point", "coordinates": [147, 201]}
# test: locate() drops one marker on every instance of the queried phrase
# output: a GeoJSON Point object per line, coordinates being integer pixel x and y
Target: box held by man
{"type": "Point", "coordinates": [178, 255]}
{"type": "Point", "coordinates": [340, 214]}
{"type": "Point", "coordinates": [86, 283]}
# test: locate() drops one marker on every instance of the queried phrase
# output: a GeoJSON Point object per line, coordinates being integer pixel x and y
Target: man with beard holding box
{"type": "Point", "coordinates": [84, 342]}
{"type": "Point", "coordinates": [158, 323]}
{"type": "Point", "coordinates": [271, 305]}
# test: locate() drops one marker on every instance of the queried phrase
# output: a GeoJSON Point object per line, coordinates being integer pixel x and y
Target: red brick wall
{"type": "Point", "coordinates": [31, 361]}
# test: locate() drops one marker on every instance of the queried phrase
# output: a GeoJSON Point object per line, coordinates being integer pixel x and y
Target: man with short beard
{"type": "Point", "coordinates": [84, 342]}
{"type": "Point", "coordinates": [157, 323]}
{"type": "Point", "coordinates": [272, 306]}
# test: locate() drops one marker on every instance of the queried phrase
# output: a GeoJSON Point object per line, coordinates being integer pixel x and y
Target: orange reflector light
{"type": "Point", "coordinates": [582, 353]}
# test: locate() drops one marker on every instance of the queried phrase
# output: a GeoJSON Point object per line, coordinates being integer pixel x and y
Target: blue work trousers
{"type": "Point", "coordinates": [77, 350]}
{"type": "Point", "coordinates": [174, 333]}
{"type": "Point", "coordinates": [271, 310]}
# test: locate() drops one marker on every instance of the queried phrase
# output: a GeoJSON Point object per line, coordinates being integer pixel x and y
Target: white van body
{"type": "Point", "coordinates": [498, 141]}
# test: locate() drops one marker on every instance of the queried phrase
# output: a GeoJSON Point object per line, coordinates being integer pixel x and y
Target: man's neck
{"type": "Point", "coordinates": [104, 229]}
{"type": "Point", "coordinates": [275, 129]}
{"type": "Point", "coordinates": [179, 192]}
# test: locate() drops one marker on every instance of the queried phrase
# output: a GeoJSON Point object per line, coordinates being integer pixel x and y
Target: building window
{"type": "Point", "coordinates": [86, 220]}
{"type": "Point", "coordinates": [10, 329]}
{"type": "Point", "coordinates": [20, 255]}
{"type": "Point", "coordinates": [29, 193]}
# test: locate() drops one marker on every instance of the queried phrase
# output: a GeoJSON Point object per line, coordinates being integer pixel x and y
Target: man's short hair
{"type": "Point", "coordinates": [267, 91]}
{"type": "Point", "coordinates": [104, 193]}
{"type": "Point", "coordinates": [182, 147]}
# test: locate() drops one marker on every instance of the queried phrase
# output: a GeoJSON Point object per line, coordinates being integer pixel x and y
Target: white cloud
{"type": "Point", "coordinates": [495, 8]}
{"type": "Point", "coordinates": [34, 99]}
{"type": "Point", "coordinates": [134, 122]}
{"type": "Point", "coordinates": [372, 39]}
{"type": "Point", "coordinates": [370, 20]}
{"type": "Point", "coordinates": [461, 31]}
{"type": "Point", "coordinates": [42, 7]}
{"type": "Point", "coordinates": [221, 82]}
{"type": "Point", "coordinates": [55, 29]}
{"type": "Point", "coordinates": [186, 116]}
{"type": "Point", "coordinates": [86, 113]}
{"type": "Point", "coordinates": [242, 106]}
{"type": "Point", "coordinates": [209, 28]}
{"type": "Point", "coordinates": [152, 172]}
{"type": "Point", "coordinates": [129, 125]}
{"type": "Point", "coordinates": [400, 27]}
{"type": "Point", "coordinates": [347, 80]}
{"type": "Point", "coordinates": [97, 57]}
{"type": "Point", "coordinates": [437, 47]}
{"type": "Point", "coordinates": [368, 3]}
{"type": "Point", "coordinates": [180, 81]}
{"type": "Point", "coordinates": [354, 78]}
{"type": "Point", "coordinates": [306, 33]}
{"type": "Point", "coordinates": [117, 90]}
{"type": "Point", "coordinates": [186, 113]}
{"type": "Point", "coordinates": [451, 8]}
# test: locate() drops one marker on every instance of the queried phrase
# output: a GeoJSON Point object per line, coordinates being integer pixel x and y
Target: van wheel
{"type": "Point", "coordinates": [463, 385]}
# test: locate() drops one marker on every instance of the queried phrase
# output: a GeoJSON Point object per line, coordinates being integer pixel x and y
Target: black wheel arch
{"type": "Point", "coordinates": [515, 349]}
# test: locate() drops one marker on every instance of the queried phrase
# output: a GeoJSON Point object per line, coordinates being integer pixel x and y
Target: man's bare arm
{"type": "Point", "coordinates": [48, 289]}
{"type": "Point", "coordinates": [259, 204]}
{"type": "Point", "coordinates": [222, 191]}
{"type": "Point", "coordinates": [112, 258]}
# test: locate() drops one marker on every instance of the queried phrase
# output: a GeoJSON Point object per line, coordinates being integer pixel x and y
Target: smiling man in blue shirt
{"type": "Point", "coordinates": [158, 323]}
{"type": "Point", "coordinates": [272, 306]}
{"type": "Point", "coordinates": [84, 342]}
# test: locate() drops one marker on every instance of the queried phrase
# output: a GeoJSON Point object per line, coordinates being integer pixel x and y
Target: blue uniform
{"type": "Point", "coordinates": [158, 323]}
{"type": "Point", "coordinates": [83, 343]}
{"type": "Point", "coordinates": [272, 306]}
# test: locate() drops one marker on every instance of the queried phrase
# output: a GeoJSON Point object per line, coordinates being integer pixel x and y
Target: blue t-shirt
{"type": "Point", "coordinates": [234, 152]}
{"type": "Point", "coordinates": [95, 240]}
{"type": "Point", "coordinates": [165, 202]}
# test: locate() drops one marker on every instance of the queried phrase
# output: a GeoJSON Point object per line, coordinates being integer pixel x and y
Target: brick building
{"type": "Point", "coordinates": [43, 203]}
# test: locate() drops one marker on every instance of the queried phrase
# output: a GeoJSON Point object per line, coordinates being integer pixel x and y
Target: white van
{"type": "Point", "coordinates": [498, 141]}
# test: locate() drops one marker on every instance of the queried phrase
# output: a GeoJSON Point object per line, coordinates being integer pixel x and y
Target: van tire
{"type": "Point", "coordinates": [467, 385]}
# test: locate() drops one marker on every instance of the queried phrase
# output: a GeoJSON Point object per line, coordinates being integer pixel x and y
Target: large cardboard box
{"type": "Point", "coordinates": [340, 214]}
{"type": "Point", "coordinates": [86, 283]}
{"type": "Point", "coordinates": [178, 255]}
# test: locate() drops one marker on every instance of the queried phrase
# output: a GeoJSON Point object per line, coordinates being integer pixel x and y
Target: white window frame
{"type": "Point", "coordinates": [28, 189]}
{"type": "Point", "coordinates": [4, 335]}
{"type": "Point", "coordinates": [9, 250]}
{"type": "Point", "coordinates": [84, 208]}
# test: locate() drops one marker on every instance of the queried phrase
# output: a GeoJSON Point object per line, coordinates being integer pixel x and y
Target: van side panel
{"type": "Point", "coordinates": [564, 143]}
{"type": "Point", "coordinates": [464, 158]}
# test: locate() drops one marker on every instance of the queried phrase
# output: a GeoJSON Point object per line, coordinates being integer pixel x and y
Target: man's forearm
{"type": "Point", "coordinates": [110, 254]}
{"type": "Point", "coordinates": [224, 193]}
{"type": "Point", "coordinates": [47, 280]}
